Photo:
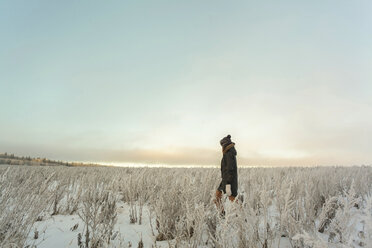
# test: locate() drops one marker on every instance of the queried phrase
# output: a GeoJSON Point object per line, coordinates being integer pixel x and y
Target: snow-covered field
{"type": "Point", "coordinates": [60, 206]}
{"type": "Point", "coordinates": [63, 230]}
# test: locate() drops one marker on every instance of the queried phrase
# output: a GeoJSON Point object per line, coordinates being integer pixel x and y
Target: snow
{"type": "Point", "coordinates": [56, 231]}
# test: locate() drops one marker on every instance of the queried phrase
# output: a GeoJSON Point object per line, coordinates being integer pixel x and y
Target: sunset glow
{"type": "Point", "coordinates": [163, 82]}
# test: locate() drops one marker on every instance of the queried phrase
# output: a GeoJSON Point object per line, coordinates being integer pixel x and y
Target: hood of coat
{"type": "Point", "coordinates": [229, 148]}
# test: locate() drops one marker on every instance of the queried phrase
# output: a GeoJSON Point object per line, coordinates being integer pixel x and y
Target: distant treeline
{"type": "Point", "coordinates": [11, 159]}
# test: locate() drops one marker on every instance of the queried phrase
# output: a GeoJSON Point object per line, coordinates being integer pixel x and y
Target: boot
{"type": "Point", "coordinates": [232, 198]}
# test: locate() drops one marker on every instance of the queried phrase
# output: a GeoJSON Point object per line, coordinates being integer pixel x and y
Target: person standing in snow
{"type": "Point", "coordinates": [229, 172]}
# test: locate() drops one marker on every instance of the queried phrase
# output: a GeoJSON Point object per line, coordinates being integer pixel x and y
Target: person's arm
{"type": "Point", "coordinates": [229, 170]}
{"type": "Point", "coordinates": [224, 174]}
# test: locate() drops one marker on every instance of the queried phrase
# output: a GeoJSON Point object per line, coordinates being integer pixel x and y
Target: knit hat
{"type": "Point", "coordinates": [226, 141]}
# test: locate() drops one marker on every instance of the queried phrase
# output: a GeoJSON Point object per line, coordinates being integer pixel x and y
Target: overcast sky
{"type": "Point", "coordinates": [164, 81]}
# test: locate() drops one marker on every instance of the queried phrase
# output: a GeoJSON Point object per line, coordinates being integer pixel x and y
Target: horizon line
{"type": "Point", "coordinates": [172, 165]}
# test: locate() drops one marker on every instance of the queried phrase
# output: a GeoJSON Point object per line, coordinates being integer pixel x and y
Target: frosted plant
{"type": "Point", "coordinates": [366, 219]}
{"type": "Point", "coordinates": [308, 241]}
{"type": "Point", "coordinates": [342, 227]}
{"type": "Point", "coordinates": [277, 205]}
{"type": "Point", "coordinates": [21, 202]}
{"type": "Point", "coordinates": [328, 213]}
{"type": "Point", "coordinates": [99, 216]}
{"type": "Point", "coordinates": [58, 192]}
{"type": "Point", "coordinates": [285, 204]}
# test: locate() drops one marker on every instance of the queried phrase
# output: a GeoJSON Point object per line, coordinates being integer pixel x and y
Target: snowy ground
{"type": "Point", "coordinates": [57, 231]}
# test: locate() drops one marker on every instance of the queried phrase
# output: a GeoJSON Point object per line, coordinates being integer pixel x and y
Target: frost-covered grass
{"type": "Point", "coordinates": [161, 207]}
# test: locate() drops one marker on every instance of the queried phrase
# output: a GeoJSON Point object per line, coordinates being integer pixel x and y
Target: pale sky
{"type": "Point", "coordinates": [164, 81]}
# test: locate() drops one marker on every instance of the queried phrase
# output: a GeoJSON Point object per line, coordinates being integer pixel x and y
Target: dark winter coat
{"type": "Point", "coordinates": [229, 170]}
